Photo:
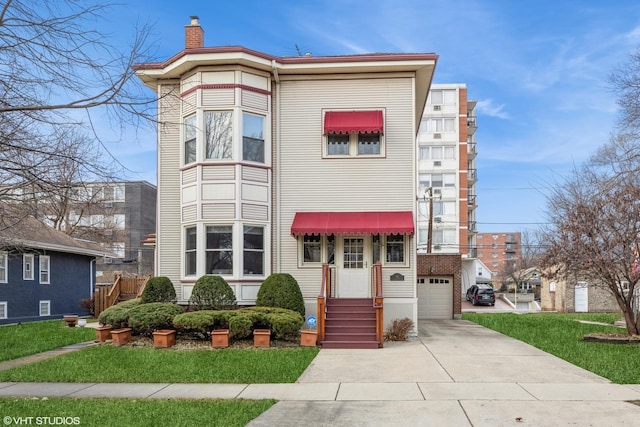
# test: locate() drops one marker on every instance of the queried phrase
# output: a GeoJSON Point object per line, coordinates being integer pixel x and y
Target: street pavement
{"type": "Point", "coordinates": [455, 373]}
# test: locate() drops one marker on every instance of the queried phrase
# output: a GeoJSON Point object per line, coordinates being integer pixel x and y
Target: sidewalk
{"type": "Point", "coordinates": [456, 373]}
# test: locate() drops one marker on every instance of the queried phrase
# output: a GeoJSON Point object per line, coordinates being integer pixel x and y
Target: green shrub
{"type": "Point", "coordinates": [240, 325]}
{"type": "Point", "coordinates": [281, 290]}
{"type": "Point", "coordinates": [158, 289]}
{"type": "Point", "coordinates": [195, 323]}
{"type": "Point", "coordinates": [212, 293]}
{"type": "Point", "coordinates": [285, 324]}
{"type": "Point", "coordinates": [118, 315]}
{"type": "Point", "coordinates": [146, 318]}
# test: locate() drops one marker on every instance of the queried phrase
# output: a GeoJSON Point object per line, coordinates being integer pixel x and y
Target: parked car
{"type": "Point", "coordinates": [481, 294]}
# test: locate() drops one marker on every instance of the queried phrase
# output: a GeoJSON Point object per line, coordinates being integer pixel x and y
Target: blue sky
{"type": "Point", "coordinates": [537, 69]}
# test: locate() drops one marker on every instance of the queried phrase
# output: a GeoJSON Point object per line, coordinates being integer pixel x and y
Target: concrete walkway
{"type": "Point", "coordinates": [456, 373]}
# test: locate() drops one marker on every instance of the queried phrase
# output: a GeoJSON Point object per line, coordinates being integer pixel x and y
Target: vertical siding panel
{"type": "Point", "coordinates": [169, 212]}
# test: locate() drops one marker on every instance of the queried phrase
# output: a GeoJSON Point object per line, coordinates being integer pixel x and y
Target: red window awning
{"type": "Point", "coordinates": [352, 223]}
{"type": "Point", "coordinates": [353, 122]}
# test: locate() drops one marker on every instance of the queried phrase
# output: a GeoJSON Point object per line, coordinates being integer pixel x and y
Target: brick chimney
{"type": "Point", "coordinates": [193, 34]}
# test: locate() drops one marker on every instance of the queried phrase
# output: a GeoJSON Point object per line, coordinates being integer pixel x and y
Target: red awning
{"type": "Point", "coordinates": [353, 121]}
{"type": "Point", "coordinates": [352, 223]}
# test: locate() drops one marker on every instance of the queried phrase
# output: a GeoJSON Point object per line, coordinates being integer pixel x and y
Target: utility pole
{"type": "Point", "coordinates": [430, 229]}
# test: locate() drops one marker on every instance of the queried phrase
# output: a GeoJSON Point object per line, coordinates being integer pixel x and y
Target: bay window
{"type": "Point", "coordinates": [253, 138]}
{"type": "Point", "coordinates": [219, 250]}
{"type": "Point", "coordinates": [190, 139]}
{"type": "Point", "coordinates": [253, 250]}
{"type": "Point", "coordinates": [190, 253]}
{"type": "Point", "coordinates": [218, 134]}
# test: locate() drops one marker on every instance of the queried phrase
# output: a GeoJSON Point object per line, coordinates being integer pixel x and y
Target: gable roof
{"type": "Point", "coordinates": [29, 232]}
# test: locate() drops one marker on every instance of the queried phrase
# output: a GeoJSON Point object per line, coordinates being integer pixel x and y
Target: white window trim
{"type": "Point", "coordinates": [405, 241]}
{"type": "Point", "coordinates": [5, 267]}
{"type": "Point", "coordinates": [5, 311]}
{"type": "Point", "coordinates": [353, 149]}
{"type": "Point", "coordinates": [48, 270]}
{"type": "Point", "coordinates": [48, 303]}
{"type": "Point", "coordinates": [25, 258]}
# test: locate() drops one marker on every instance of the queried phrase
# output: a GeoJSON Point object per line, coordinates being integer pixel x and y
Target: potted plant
{"type": "Point", "coordinates": [261, 337]}
{"type": "Point", "coordinates": [121, 336]}
{"type": "Point", "coordinates": [164, 338]}
{"type": "Point", "coordinates": [71, 319]}
{"type": "Point", "coordinates": [103, 333]}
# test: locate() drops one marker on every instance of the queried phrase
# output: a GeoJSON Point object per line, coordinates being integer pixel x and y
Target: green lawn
{"type": "Point", "coordinates": [35, 337]}
{"type": "Point", "coordinates": [132, 412]}
{"type": "Point", "coordinates": [109, 364]}
{"type": "Point", "coordinates": [561, 335]}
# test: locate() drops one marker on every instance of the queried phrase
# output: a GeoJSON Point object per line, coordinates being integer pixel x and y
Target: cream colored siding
{"type": "Point", "coordinates": [219, 211]}
{"type": "Point", "coordinates": [189, 194]}
{"type": "Point", "coordinates": [218, 173]}
{"type": "Point", "coordinates": [169, 211]}
{"type": "Point", "coordinates": [189, 213]}
{"type": "Point", "coordinates": [218, 97]}
{"type": "Point", "coordinates": [189, 176]}
{"type": "Point", "coordinates": [189, 104]}
{"type": "Point", "coordinates": [254, 100]}
{"type": "Point", "coordinates": [255, 212]}
{"type": "Point", "coordinates": [255, 174]}
{"type": "Point", "coordinates": [252, 80]}
{"type": "Point", "coordinates": [309, 182]}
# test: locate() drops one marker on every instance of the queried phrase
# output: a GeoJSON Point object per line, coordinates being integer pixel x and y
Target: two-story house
{"type": "Point", "coordinates": [285, 164]}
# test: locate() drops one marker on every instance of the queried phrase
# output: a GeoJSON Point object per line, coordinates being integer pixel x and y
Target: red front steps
{"type": "Point", "coordinates": [350, 323]}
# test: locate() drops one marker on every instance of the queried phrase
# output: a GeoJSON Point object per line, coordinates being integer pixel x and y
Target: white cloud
{"type": "Point", "coordinates": [487, 107]}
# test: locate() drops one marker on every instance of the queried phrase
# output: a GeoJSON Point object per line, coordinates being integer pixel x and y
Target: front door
{"type": "Point", "coordinates": [353, 276]}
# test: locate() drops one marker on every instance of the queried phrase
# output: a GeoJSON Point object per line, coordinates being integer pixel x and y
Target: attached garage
{"type": "Point", "coordinates": [435, 297]}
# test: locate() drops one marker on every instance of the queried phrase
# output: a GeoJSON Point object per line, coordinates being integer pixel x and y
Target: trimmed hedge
{"type": "Point", "coordinates": [284, 324]}
{"type": "Point", "coordinates": [281, 290]}
{"type": "Point", "coordinates": [212, 293]}
{"type": "Point", "coordinates": [158, 289]}
{"type": "Point", "coordinates": [118, 315]}
{"type": "Point", "coordinates": [146, 318]}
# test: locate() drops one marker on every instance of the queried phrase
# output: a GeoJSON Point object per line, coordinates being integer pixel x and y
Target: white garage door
{"type": "Point", "coordinates": [435, 298]}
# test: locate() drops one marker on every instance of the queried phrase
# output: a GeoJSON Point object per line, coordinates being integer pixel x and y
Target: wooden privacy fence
{"type": "Point", "coordinates": [123, 288]}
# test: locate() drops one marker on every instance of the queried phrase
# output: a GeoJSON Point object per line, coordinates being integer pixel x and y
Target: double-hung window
{"type": "Point", "coordinates": [45, 263]}
{"type": "Point", "coordinates": [4, 262]}
{"type": "Point", "coordinates": [353, 133]}
{"type": "Point", "coordinates": [218, 134]}
{"type": "Point", "coordinates": [27, 266]}
{"type": "Point", "coordinates": [190, 251]}
{"type": "Point", "coordinates": [3, 310]}
{"type": "Point", "coordinates": [395, 248]}
{"type": "Point", "coordinates": [253, 250]}
{"type": "Point", "coordinates": [190, 132]}
{"type": "Point", "coordinates": [253, 138]}
{"type": "Point", "coordinates": [317, 249]}
{"type": "Point", "coordinates": [219, 249]}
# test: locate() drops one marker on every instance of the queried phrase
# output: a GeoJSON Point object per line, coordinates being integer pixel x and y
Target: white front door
{"type": "Point", "coordinates": [353, 276]}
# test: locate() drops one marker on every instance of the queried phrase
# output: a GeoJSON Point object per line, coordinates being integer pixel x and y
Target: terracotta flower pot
{"type": "Point", "coordinates": [103, 333]}
{"type": "Point", "coordinates": [308, 338]}
{"type": "Point", "coordinates": [220, 338]}
{"type": "Point", "coordinates": [261, 338]}
{"type": "Point", "coordinates": [121, 336]}
{"type": "Point", "coordinates": [164, 338]}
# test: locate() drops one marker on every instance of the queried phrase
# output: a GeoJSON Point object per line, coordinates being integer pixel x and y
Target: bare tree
{"type": "Point", "coordinates": [625, 83]}
{"type": "Point", "coordinates": [60, 77]}
{"type": "Point", "coordinates": [595, 231]}
{"type": "Point", "coordinates": [525, 268]}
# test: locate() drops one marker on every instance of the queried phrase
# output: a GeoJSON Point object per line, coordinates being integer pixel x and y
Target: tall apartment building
{"type": "Point", "coordinates": [447, 176]}
{"type": "Point", "coordinates": [496, 250]}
